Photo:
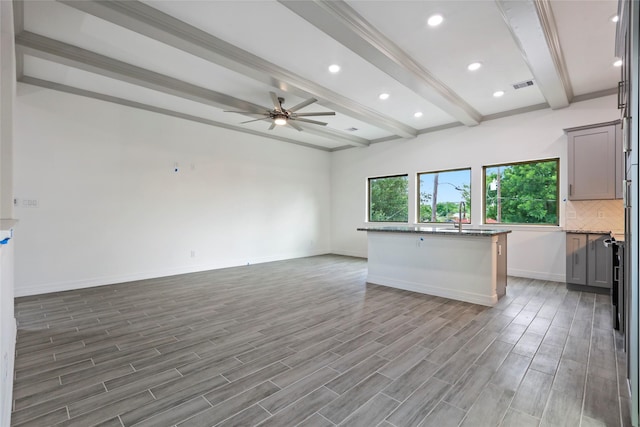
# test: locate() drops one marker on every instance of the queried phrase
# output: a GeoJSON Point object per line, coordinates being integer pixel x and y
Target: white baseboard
{"type": "Point", "coordinates": [6, 378]}
{"type": "Point", "coordinates": [346, 252]}
{"type": "Point", "coordinates": [539, 275]}
{"type": "Point", "coordinates": [28, 290]}
{"type": "Point", "coordinates": [44, 288]}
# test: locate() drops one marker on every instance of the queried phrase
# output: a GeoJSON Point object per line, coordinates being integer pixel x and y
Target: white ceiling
{"type": "Point", "coordinates": [194, 59]}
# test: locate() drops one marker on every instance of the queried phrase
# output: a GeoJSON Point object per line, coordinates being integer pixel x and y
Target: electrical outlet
{"type": "Point", "coordinates": [27, 203]}
{"type": "Point", "coordinates": [600, 214]}
{"type": "Point", "coordinates": [571, 214]}
{"type": "Point", "coordinates": [193, 254]}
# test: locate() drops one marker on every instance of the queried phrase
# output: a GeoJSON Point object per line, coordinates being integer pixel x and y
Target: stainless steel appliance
{"type": "Point", "coordinates": [618, 293]}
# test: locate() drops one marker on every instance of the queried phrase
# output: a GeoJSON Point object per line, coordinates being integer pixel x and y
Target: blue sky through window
{"type": "Point", "coordinates": [448, 184]}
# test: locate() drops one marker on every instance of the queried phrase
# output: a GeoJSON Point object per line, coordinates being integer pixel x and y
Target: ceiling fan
{"type": "Point", "coordinates": [281, 116]}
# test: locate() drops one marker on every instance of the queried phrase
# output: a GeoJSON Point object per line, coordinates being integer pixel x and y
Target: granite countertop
{"type": "Point", "coordinates": [436, 230]}
{"type": "Point", "coordinates": [588, 232]}
{"type": "Point", "coordinates": [619, 236]}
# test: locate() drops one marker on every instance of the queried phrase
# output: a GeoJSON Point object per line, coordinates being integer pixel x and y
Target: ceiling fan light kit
{"type": "Point", "coordinates": [280, 116]}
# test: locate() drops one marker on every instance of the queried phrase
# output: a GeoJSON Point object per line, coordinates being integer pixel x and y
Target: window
{"type": "Point", "coordinates": [522, 193]}
{"type": "Point", "coordinates": [389, 199]}
{"type": "Point", "coordinates": [440, 194]}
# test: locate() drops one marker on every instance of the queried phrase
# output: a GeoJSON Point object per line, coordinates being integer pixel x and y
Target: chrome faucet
{"type": "Point", "coordinates": [461, 208]}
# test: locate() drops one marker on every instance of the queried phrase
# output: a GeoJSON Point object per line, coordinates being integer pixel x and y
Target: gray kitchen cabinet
{"type": "Point", "coordinates": [598, 261]}
{"type": "Point", "coordinates": [620, 167]}
{"type": "Point", "coordinates": [595, 166]}
{"type": "Point", "coordinates": [577, 258]}
{"type": "Point", "coordinates": [588, 260]}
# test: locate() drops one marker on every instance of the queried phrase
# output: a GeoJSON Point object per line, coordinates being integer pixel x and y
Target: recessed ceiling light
{"type": "Point", "coordinates": [618, 63]}
{"type": "Point", "coordinates": [383, 96]}
{"type": "Point", "coordinates": [615, 18]}
{"type": "Point", "coordinates": [435, 20]}
{"type": "Point", "coordinates": [474, 66]}
{"type": "Point", "coordinates": [334, 68]}
{"type": "Point", "coordinates": [417, 114]}
{"type": "Point", "coordinates": [498, 93]}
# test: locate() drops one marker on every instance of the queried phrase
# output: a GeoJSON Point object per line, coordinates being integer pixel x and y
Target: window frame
{"type": "Point", "coordinates": [441, 171]}
{"type": "Point", "coordinates": [401, 175]}
{"type": "Point", "coordinates": [537, 224]}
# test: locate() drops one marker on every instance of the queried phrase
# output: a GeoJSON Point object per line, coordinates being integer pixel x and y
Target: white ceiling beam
{"type": "Point", "coordinates": [344, 24]}
{"type": "Point", "coordinates": [145, 20]}
{"type": "Point", "coordinates": [73, 56]}
{"type": "Point", "coordinates": [18, 27]}
{"type": "Point", "coordinates": [533, 28]}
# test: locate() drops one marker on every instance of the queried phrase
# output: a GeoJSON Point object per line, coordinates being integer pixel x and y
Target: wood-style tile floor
{"type": "Point", "coordinates": [308, 342]}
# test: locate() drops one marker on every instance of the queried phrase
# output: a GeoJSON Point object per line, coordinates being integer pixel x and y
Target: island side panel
{"type": "Point", "coordinates": [457, 267]}
{"type": "Point", "coordinates": [501, 264]}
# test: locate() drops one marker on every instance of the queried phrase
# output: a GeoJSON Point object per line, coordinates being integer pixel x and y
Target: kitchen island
{"type": "Point", "coordinates": [468, 265]}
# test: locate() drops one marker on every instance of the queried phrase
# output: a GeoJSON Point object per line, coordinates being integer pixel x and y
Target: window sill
{"type": "Point", "coordinates": [512, 227]}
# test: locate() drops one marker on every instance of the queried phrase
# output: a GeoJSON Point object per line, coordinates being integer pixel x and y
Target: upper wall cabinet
{"type": "Point", "coordinates": [595, 162]}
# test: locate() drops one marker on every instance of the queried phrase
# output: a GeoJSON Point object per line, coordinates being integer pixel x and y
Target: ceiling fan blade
{"type": "Point", "coordinates": [302, 104]}
{"type": "Point", "coordinates": [293, 125]}
{"type": "Point", "coordinates": [320, 113]}
{"type": "Point", "coordinates": [256, 120]}
{"type": "Point", "coordinates": [311, 121]}
{"type": "Point", "coordinates": [272, 126]}
{"type": "Point", "coordinates": [276, 101]}
{"type": "Point", "coordinates": [247, 112]}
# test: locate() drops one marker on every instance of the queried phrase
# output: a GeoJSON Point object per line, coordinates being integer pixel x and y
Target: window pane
{"type": "Point", "coordinates": [389, 199]}
{"type": "Point", "coordinates": [441, 193]}
{"type": "Point", "coordinates": [523, 193]}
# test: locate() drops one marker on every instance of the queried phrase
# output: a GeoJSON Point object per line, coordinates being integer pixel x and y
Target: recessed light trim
{"type": "Point", "coordinates": [417, 114]}
{"type": "Point", "coordinates": [498, 93]}
{"type": "Point", "coordinates": [334, 68]}
{"type": "Point", "coordinates": [435, 20]}
{"type": "Point", "coordinates": [617, 63]}
{"type": "Point", "coordinates": [474, 66]}
{"type": "Point", "coordinates": [383, 96]}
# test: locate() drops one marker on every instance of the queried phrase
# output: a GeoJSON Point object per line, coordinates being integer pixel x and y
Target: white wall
{"type": "Point", "coordinates": [7, 99]}
{"type": "Point", "coordinates": [535, 252]}
{"type": "Point", "coordinates": [111, 208]}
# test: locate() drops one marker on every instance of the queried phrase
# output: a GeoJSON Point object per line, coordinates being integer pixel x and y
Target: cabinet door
{"type": "Point", "coordinates": [577, 258]}
{"type": "Point", "coordinates": [620, 163]}
{"type": "Point", "coordinates": [599, 262]}
{"type": "Point", "coordinates": [592, 163]}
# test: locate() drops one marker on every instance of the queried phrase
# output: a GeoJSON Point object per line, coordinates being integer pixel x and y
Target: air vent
{"type": "Point", "coordinates": [351, 129]}
{"type": "Point", "coordinates": [523, 84]}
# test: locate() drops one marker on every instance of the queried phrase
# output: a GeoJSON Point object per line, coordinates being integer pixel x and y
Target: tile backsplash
{"type": "Point", "coordinates": [601, 215]}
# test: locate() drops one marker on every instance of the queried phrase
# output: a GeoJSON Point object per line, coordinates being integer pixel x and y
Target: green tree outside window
{"type": "Point", "coordinates": [522, 193]}
{"type": "Point", "coordinates": [440, 194]}
{"type": "Point", "coordinates": [389, 199]}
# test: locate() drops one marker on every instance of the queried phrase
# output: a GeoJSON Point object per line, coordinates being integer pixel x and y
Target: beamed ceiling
{"type": "Point", "coordinates": [194, 59]}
